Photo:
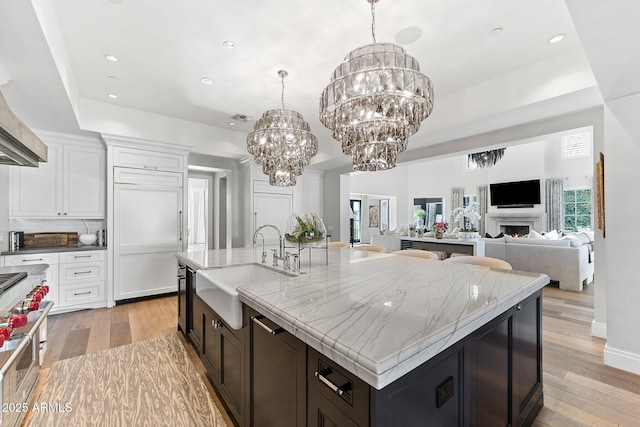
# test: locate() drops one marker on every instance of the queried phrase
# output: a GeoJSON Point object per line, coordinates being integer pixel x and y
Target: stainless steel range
{"type": "Point", "coordinates": [22, 322]}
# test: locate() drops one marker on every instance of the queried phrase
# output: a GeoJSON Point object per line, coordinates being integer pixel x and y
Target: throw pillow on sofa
{"type": "Point", "coordinates": [540, 242]}
{"type": "Point", "coordinates": [489, 236]}
{"type": "Point", "coordinates": [533, 234]}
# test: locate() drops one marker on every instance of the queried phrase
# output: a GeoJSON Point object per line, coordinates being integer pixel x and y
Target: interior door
{"type": "Point", "coordinates": [274, 209]}
{"type": "Point", "coordinates": [148, 233]}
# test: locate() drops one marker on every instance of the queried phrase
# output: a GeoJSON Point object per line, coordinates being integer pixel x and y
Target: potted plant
{"type": "Point", "coordinates": [305, 229]}
{"type": "Point", "coordinates": [439, 228]}
{"type": "Point", "coordinates": [419, 215]}
{"type": "Point", "coordinates": [470, 212]}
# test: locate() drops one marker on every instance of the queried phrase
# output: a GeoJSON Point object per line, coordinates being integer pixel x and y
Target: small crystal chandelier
{"type": "Point", "coordinates": [486, 159]}
{"type": "Point", "coordinates": [282, 143]}
{"type": "Point", "coordinates": [377, 98]}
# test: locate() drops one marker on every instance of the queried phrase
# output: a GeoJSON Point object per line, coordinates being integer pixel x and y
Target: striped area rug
{"type": "Point", "coordinates": [149, 383]}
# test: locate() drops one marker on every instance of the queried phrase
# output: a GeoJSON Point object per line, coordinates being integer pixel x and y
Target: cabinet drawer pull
{"type": "Point", "coordinates": [81, 256]}
{"type": "Point", "coordinates": [256, 320]}
{"type": "Point", "coordinates": [339, 390]}
{"type": "Point", "coordinates": [81, 293]}
{"type": "Point", "coordinates": [151, 167]}
{"type": "Point", "coordinates": [82, 272]}
{"type": "Point", "coordinates": [31, 260]}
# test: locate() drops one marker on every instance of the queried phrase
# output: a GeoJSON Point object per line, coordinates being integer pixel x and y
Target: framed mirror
{"type": "Point", "coordinates": [428, 210]}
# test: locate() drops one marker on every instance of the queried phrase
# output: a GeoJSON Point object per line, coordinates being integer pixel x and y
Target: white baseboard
{"type": "Point", "coordinates": [599, 329]}
{"type": "Point", "coordinates": [621, 359]}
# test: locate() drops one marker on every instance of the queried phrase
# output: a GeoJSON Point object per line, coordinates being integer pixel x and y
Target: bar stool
{"type": "Point", "coordinates": [370, 248]}
{"type": "Point", "coordinates": [480, 260]}
{"type": "Point", "coordinates": [418, 253]}
{"type": "Point", "coordinates": [337, 244]}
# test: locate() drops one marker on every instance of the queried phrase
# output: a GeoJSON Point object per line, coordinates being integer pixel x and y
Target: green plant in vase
{"type": "Point", "coordinates": [303, 229]}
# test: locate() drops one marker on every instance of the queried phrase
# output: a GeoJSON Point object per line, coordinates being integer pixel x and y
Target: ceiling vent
{"type": "Point", "coordinates": [241, 117]}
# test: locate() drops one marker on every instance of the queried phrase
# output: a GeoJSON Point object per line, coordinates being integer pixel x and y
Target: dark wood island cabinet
{"type": "Point", "coordinates": [268, 377]}
{"type": "Point", "coordinates": [373, 340]}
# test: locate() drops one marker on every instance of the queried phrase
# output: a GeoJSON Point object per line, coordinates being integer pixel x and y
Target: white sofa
{"type": "Point", "coordinates": [571, 266]}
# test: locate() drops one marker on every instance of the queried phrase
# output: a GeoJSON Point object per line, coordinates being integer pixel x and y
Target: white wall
{"type": "Point", "coordinates": [622, 204]}
{"type": "Point", "coordinates": [534, 160]}
{"type": "Point", "coordinates": [383, 185]}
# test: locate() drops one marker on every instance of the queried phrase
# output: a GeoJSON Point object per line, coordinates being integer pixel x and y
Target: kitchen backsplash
{"type": "Point", "coordinates": [56, 225]}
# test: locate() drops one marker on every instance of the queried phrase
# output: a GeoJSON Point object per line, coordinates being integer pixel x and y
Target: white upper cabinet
{"type": "Point", "coordinates": [147, 159]}
{"type": "Point", "coordinates": [71, 184]}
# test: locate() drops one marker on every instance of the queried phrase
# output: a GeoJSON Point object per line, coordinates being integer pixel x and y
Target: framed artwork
{"type": "Point", "coordinates": [374, 217]}
{"type": "Point", "coordinates": [600, 194]}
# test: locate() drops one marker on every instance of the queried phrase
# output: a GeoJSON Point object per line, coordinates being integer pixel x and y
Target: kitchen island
{"type": "Point", "coordinates": [402, 327]}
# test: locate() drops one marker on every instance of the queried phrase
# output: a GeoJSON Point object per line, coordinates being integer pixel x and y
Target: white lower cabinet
{"type": "Point", "coordinates": [82, 278]}
{"type": "Point", "coordinates": [77, 279]}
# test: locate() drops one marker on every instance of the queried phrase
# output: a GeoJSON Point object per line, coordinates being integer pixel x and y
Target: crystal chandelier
{"type": "Point", "coordinates": [282, 143]}
{"type": "Point", "coordinates": [486, 159]}
{"type": "Point", "coordinates": [377, 98]}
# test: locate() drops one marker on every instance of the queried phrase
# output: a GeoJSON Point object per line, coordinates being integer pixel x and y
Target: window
{"type": "Point", "coordinates": [384, 214]}
{"type": "Point", "coordinates": [355, 221]}
{"type": "Point", "coordinates": [578, 205]}
{"type": "Point", "coordinates": [576, 145]}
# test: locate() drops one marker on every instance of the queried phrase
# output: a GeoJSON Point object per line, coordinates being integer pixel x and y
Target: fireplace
{"type": "Point", "coordinates": [514, 230]}
{"type": "Point", "coordinates": [510, 223]}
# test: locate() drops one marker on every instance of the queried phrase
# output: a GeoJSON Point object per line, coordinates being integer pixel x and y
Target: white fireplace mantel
{"type": "Point", "coordinates": [536, 221]}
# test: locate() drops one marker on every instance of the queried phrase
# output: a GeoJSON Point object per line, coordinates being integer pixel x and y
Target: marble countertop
{"type": "Point", "coordinates": [378, 315]}
{"type": "Point", "coordinates": [69, 248]}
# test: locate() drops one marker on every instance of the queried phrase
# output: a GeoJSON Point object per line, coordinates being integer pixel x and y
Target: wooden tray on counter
{"type": "Point", "coordinates": [48, 240]}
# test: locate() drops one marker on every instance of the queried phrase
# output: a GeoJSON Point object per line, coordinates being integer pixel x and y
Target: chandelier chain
{"type": "Point", "coordinates": [373, 21]}
{"type": "Point", "coordinates": [282, 74]}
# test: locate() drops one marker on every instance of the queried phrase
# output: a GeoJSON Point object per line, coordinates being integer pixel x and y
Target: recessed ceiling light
{"type": "Point", "coordinates": [206, 81]}
{"type": "Point", "coordinates": [232, 123]}
{"type": "Point", "coordinates": [229, 45]}
{"type": "Point", "coordinates": [408, 35]}
{"type": "Point", "coordinates": [112, 95]}
{"type": "Point", "coordinates": [496, 31]}
{"type": "Point", "coordinates": [111, 57]}
{"type": "Point", "coordinates": [557, 38]}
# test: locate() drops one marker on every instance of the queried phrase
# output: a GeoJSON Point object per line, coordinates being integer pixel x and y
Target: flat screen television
{"type": "Point", "coordinates": [517, 194]}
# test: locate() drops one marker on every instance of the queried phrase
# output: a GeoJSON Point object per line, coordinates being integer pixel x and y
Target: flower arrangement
{"type": "Point", "coordinates": [440, 227]}
{"type": "Point", "coordinates": [307, 228]}
{"type": "Point", "coordinates": [471, 213]}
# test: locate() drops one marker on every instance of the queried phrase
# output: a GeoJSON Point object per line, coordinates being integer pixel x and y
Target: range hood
{"type": "Point", "coordinates": [18, 144]}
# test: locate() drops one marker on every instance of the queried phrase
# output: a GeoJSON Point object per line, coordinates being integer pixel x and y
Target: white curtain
{"type": "Point", "coordinates": [196, 221]}
{"type": "Point", "coordinates": [555, 203]}
{"type": "Point", "coordinates": [483, 201]}
{"type": "Point", "coordinates": [364, 221]}
{"type": "Point", "coordinates": [457, 201]}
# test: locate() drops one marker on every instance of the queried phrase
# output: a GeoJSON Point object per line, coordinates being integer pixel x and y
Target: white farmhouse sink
{"type": "Point", "coordinates": [217, 287]}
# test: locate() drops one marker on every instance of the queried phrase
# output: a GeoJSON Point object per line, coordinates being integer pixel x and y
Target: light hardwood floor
{"type": "Point", "coordinates": [578, 389]}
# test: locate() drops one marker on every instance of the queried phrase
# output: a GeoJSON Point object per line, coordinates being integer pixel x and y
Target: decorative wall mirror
{"type": "Point", "coordinates": [428, 210]}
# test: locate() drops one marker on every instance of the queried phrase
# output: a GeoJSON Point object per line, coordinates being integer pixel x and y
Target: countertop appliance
{"type": "Point", "coordinates": [16, 240]}
{"type": "Point", "coordinates": [22, 332]}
